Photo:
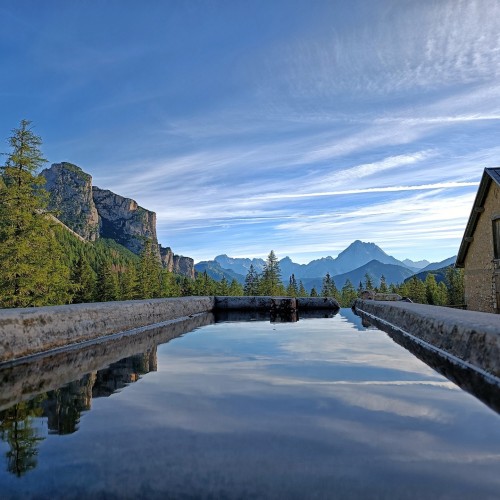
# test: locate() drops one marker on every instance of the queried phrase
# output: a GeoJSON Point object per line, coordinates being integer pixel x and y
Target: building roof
{"type": "Point", "coordinates": [489, 175]}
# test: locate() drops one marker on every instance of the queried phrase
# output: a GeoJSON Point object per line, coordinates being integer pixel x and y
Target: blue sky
{"type": "Point", "coordinates": [247, 126]}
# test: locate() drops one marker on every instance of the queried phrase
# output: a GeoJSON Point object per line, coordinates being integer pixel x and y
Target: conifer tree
{"type": "Point", "coordinates": [368, 282]}
{"type": "Point", "coordinates": [129, 283]}
{"type": "Point", "coordinates": [302, 290]}
{"type": "Point", "coordinates": [235, 289]}
{"type": "Point", "coordinates": [223, 287]}
{"type": "Point", "coordinates": [455, 282]}
{"type": "Point", "coordinates": [270, 283]}
{"type": "Point", "coordinates": [328, 288]}
{"type": "Point", "coordinates": [292, 289]}
{"type": "Point", "coordinates": [348, 294]}
{"type": "Point", "coordinates": [149, 272]}
{"type": "Point", "coordinates": [85, 281]}
{"type": "Point", "coordinates": [383, 285]}
{"type": "Point", "coordinates": [32, 272]}
{"type": "Point", "coordinates": [251, 286]}
{"type": "Point", "coordinates": [314, 293]}
{"type": "Point", "coordinates": [107, 283]}
{"type": "Point", "coordinates": [431, 289]}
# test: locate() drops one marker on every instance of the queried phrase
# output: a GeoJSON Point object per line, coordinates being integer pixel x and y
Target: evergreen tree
{"type": "Point", "coordinates": [314, 293]}
{"type": "Point", "coordinates": [271, 277]}
{"type": "Point", "coordinates": [85, 281]}
{"type": "Point", "coordinates": [442, 297]}
{"type": "Point", "coordinates": [431, 289]}
{"type": "Point", "coordinates": [251, 286]}
{"type": "Point", "coordinates": [292, 289]}
{"type": "Point", "coordinates": [32, 272]}
{"type": "Point", "coordinates": [107, 283]}
{"type": "Point", "coordinates": [129, 283]}
{"type": "Point", "coordinates": [368, 282]}
{"type": "Point", "coordinates": [383, 285]}
{"type": "Point", "coordinates": [328, 288]}
{"type": "Point", "coordinates": [455, 282]}
{"type": "Point", "coordinates": [235, 289]}
{"type": "Point", "coordinates": [302, 290]}
{"type": "Point", "coordinates": [149, 272]}
{"type": "Point", "coordinates": [348, 294]}
{"type": "Point", "coordinates": [416, 290]}
{"type": "Point", "coordinates": [223, 287]}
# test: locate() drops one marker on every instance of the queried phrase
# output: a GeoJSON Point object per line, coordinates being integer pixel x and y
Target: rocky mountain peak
{"type": "Point", "coordinates": [71, 199]}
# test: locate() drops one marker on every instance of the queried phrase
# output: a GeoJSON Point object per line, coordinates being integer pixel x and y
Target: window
{"type": "Point", "coordinates": [496, 238]}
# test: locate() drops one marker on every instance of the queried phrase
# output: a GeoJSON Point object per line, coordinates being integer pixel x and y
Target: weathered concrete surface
{"type": "Point", "coordinates": [472, 336]}
{"type": "Point", "coordinates": [27, 378]}
{"type": "Point", "coordinates": [33, 330]}
{"type": "Point", "coordinates": [264, 303]}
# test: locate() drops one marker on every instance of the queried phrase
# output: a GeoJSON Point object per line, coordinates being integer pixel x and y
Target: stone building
{"type": "Point", "coordinates": [479, 253]}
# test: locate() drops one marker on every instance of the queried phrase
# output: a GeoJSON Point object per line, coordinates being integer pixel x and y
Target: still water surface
{"type": "Point", "coordinates": [321, 408]}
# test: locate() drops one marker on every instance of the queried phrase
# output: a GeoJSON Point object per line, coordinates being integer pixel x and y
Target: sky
{"type": "Point", "coordinates": [293, 125]}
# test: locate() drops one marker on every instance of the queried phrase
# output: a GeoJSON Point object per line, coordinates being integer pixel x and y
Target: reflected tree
{"type": "Point", "coordinates": [17, 429]}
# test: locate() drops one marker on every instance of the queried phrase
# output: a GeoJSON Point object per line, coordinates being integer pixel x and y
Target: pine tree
{"type": "Point", "coordinates": [85, 281]}
{"type": "Point", "coordinates": [32, 272]}
{"type": "Point", "coordinates": [251, 286]}
{"type": "Point", "coordinates": [455, 282]}
{"type": "Point", "coordinates": [292, 288]}
{"type": "Point", "coordinates": [348, 294]}
{"type": "Point", "coordinates": [328, 288]}
{"type": "Point", "coordinates": [431, 289]}
{"type": "Point", "coordinates": [271, 277]}
{"type": "Point", "coordinates": [235, 289]}
{"type": "Point", "coordinates": [302, 290]}
{"type": "Point", "coordinates": [368, 282]}
{"type": "Point", "coordinates": [314, 293]}
{"type": "Point", "coordinates": [149, 272]}
{"type": "Point", "coordinates": [107, 283]}
{"type": "Point", "coordinates": [223, 287]}
{"type": "Point", "coordinates": [416, 290]}
{"type": "Point", "coordinates": [129, 283]}
{"type": "Point", "coordinates": [383, 285]}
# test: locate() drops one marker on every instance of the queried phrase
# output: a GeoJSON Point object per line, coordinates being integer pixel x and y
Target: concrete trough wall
{"type": "Point", "coordinates": [473, 337]}
{"type": "Point", "coordinates": [264, 303]}
{"type": "Point", "coordinates": [33, 330]}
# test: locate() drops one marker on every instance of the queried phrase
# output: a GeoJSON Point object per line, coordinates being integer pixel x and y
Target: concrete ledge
{"type": "Point", "coordinates": [473, 337]}
{"type": "Point", "coordinates": [33, 330]}
{"type": "Point", "coordinates": [29, 377]}
{"type": "Point", "coordinates": [264, 303]}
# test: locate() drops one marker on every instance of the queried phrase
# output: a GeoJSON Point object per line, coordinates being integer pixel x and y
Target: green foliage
{"type": "Point", "coordinates": [32, 268]}
{"type": "Point", "coordinates": [314, 293]}
{"type": "Point", "coordinates": [149, 272]}
{"type": "Point", "coordinates": [348, 294]}
{"type": "Point", "coordinates": [252, 282]}
{"type": "Point", "coordinates": [383, 285]}
{"type": "Point", "coordinates": [235, 289]}
{"type": "Point", "coordinates": [17, 429]}
{"type": "Point", "coordinates": [270, 282]}
{"type": "Point", "coordinates": [368, 282]}
{"type": "Point", "coordinates": [455, 283]}
{"type": "Point", "coordinates": [328, 288]}
{"type": "Point", "coordinates": [302, 290]}
{"type": "Point", "coordinates": [292, 289]}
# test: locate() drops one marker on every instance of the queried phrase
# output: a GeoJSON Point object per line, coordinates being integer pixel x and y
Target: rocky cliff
{"type": "Point", "coordinates": [177, 263]}
{"type": "Point", "coordinates": [70, 191]}
{"type": "Point", "coordinates": [123, 220]}
{"type": "Point", "coordinates": [93, 212]}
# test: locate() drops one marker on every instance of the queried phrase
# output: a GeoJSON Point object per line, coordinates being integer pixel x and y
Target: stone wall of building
{"type": "Point", "coordinates": [480, 293]}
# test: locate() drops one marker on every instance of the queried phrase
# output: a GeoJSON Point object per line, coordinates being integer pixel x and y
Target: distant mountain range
{"type": "Point", "coordinates": [352, 263]}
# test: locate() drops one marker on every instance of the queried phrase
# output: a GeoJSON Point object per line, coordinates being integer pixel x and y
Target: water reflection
{"type": "Point", "coordinates": [319, 408]}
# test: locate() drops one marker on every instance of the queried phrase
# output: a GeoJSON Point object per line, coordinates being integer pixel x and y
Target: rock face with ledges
{"type": "Point", "coordinates": [123, 220]}
{"type": "Point", "coordinates": [71, 199]}
{"type": "Point", "coordinates": [92, 212]}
